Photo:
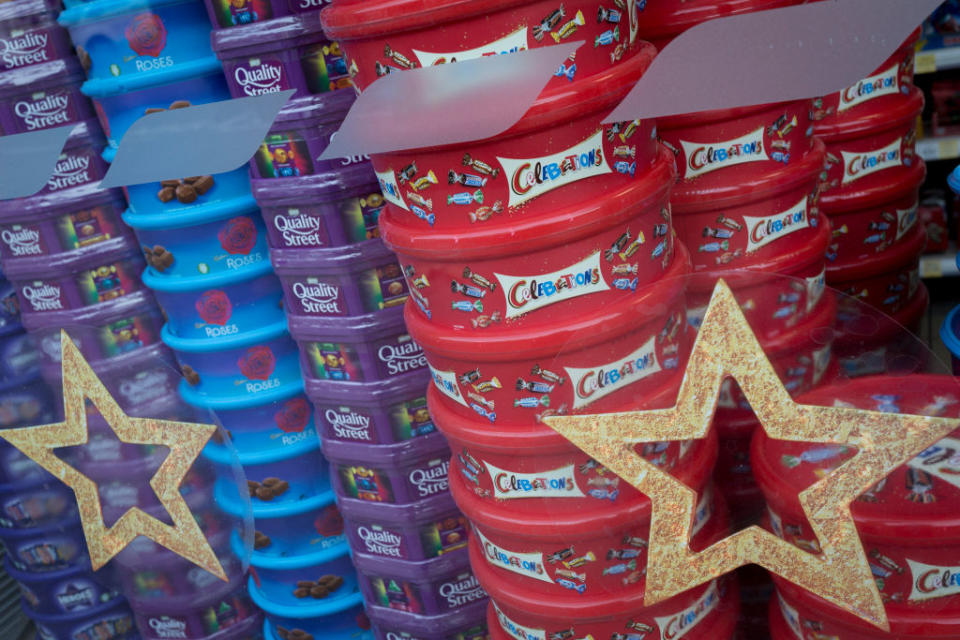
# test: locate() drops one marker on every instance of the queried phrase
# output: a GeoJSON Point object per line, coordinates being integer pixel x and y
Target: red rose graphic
{"type": "Point", "coordinates": [329, 522]}
{"type": "Point", "coordinates": [146, 34]}
{"type": "Point", "coordinates": [293, 415]}
{"type": "Point", "coordinates": [214, 307]}
{"type": "Point", "coordinates": [257, 363]}
{"type": "Point", "coordinates": [238, 235]}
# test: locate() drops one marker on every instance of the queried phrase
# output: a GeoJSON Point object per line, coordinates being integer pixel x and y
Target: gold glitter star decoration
{"type": "Point", "coordinates": [184, 440]}
{"type": "Point", "coordinates": [727, 347]}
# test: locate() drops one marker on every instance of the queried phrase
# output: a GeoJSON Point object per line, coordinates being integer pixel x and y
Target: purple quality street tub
{"type": "Point", "coordinates": [337, 619]}
{"type": "Point", "coordinates": [299, 135]}
{"type": "Point", "coordinates": [52, 547]}
{"type": "Point", "coordinates": [235, 13]}
{"type": "Point", "coordinates": [221, 305]}
{"type": "Point", "coordinates": [389, 473]}
{"type": "Point", "coordinates": [417, 531]}
{"type": "Point", "coordinates": [9, 309]}
{"type": "Point", "coordinates": [252, 363]}
{"type": "Point", "coordinates": [466, 623]}
{"type": "Point", "coordinates": [29, 34]}
{"type": "Point", "coordinates": [323, 210]}
{"type": "Point", "coordinates": [380, 412]}
{"type": "Point", "coordinates": [209, 239]}
{"type": "Point", "coordinates": [76, 279]}
{"type": "Point", "coordinates": [109, 621]}
{"type": "Point", "coordinates": [71, 590]}
{"type": "Point", "coordinates": [25, 402]}
{"type": "Point", "coordinates": [281, 54]}
{"type": "Point", "coordinates": [27, 505]}
{"type": "Point", "coordinates": [42, 96]}
{"type": "Point", "coordinates": [80, 162]}
{"type": "Point", "coordinates": [100, 331]}
{"type": "Point", "coordinates": [228, 608]}
{"type": "Point", "coordinates": [16, 467]}
{"type": "Point", "coordinates": [357, 349]}
{"type": "Point", "coordinates": [60, 222]}
{"type": "Point", "coordinates": [19, 357]}
{"type": "Point", "coordinates": [343, 281]}
{"type": "Point", "coordinates": [428, 587]}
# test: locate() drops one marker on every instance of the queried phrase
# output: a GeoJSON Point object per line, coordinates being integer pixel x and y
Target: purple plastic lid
{"type": "Point", "coordinates": [57, 265]}
{"type": "Point", "coordinates": [430, 569]}
{"type": "Point", "coordinates": [317, 108]}
{"type": "Point", "coordinates": [93, 315]}
{"type": "Point", "coordinates": [257, 38]}
{"type": "Point", "coordinates": [320, 187]}
{"type": "Point", "coordinates": [190, 602]}
{"type": "Point", "coordinates": [331, 260]}
{"type": "Point", "coordinates": [400, 454]}
{"type": "Point", "coordinates": [375, 391]}
{"type": "Point", "coordinates": [86, 134]}
{"type": "Point", "coordinates": [438, 626]}
{"type": "Point", "coordinates": [366, 328]}
{"type": "Point", "coordinates": [38, 77]}
{"type": "Point", "coordinates": [23, 8]}
{"type": "Point", "coordinates": [425, 510]}
{"type": "Point", "coordinates": [76, 199]}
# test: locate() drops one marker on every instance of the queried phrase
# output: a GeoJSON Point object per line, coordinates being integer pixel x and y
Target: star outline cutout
{"type": "Point", "coordinates": [726, 347]}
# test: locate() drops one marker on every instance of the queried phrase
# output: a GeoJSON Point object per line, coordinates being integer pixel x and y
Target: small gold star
{"type": "Point", "coordinates": [185, 440]}
{"type": "Point", "coordinates": [727, 347]}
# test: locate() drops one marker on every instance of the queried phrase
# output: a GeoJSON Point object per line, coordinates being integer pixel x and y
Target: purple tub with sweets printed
{"type": "Point", "coordinates": [42, 96]}
{"type": "Point", "coordinates": [299, 135]}
{"type": "Point", "coordinates": [379, 412]}
{"type": "Point", "coordinates": [61, 222]}
{"type": "Point", "coordinates": [220, 305]}
{"type": "Point", "coordinates": [209, 239]}
{"type": "Point", "coordinates": [236, 13]}
{"type": "Point", "coordinates": [25, 402]}
{"type": "Point", "coordinates": [29, 34]}
{"type": "Point", "coordinates": [19, 357]}
{"type": "Point", "coordinates": [80, 162]}
{"type": "Point", "coordinates": [109, 621]}
{"type": "Point", "coordinates": [101, 331]}
{"type": "Point", "coordinates": [76, 279]}
{"type": "Point", "coordinates": [400, 473]}
{"type": "Point", "coordinates": [71, 590]}
{"type": "Point", "coordinates": [9, 309]}
{"type": "Point", "coordinates": [226, 612]}
{"type": "Point", "coordinates": [252, 363]}
{"type": "Point", "coordinates": [286, 53]}
{"type": "Point", "coordinates": [364, 348]}
{"type": "Point", "coordinates": [466, 623]}
{"type": "Point", "coordinates": [353, 280]}
{"type": "Point", "coordinates": [428, 587]}
{"type": "Point", "coordinates": [416, 531]}
{"type": "Point", "coordinates": [340, 619]}
{"type": "Point", "coordinates": [52, 547]}
{"type": "Point", "coordinates": [323, 210]}
{"type": "Point", "coordinates": [35, 503]}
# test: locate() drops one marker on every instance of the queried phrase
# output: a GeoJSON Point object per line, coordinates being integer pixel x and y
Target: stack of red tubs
{"type": "Point", "coordinates": [869, 190]}
{"type": "Point", "coordinates": [539, 265]}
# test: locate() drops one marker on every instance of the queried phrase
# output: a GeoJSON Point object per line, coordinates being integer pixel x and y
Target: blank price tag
{"type": "Point", "coordinates": [947, 149]}
{"type": "Point", "coordinates": [925, 63]}
{"type": "Point", "coordinates": [930, 268]}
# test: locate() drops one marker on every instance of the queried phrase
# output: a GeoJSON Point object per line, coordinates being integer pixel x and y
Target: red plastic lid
{"type": "Point", "coordinates": [865, 331]}
{"type": "Point", "coordinates": [874, 121]}
{"type": "Point", "coordinates": [878, 194]}
{"type": "Point", "coordinates": [535, 233]}
{"type": "Point", "coordinates": [515, 343]}
{"type": "Point", "coordinates": [904, 523]}
{"type": "Point", "coordinates": [675, 17]}
{"type": "Point", "coordinates": [891, 260]}
{"type": "Point", "coordinates": [359, 19]}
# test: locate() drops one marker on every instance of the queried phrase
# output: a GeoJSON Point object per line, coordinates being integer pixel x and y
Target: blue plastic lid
{"type": "Point", "coordinates": [180, 284]}
{"type": "Point", "coordinates": [242, 401]}
{"type": "Point", "coordinates": [221, 455]}
{"type": "Point", "coordinates": [263, 561]}
{"type": "Point", "coordinates": [100, 9]}
{"type": "Point", "coordinates": [304, 611]}
{"type": "Point", "coordinates": [953, 180]}
{"type": "Point", "coordinates": [347, 635]}
{"type": "Point", "coordinates": [193, 216]}
{"type": "Point", "coordinates": [230, 502]}
{"type": "Point", "coordinates": [208, 345]}
{"type": "Point", "coordinates": [950, 330]}
{"type": "Point", "coordinates": [105, 87]}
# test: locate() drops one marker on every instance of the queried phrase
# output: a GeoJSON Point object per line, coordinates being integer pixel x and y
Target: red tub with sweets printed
{"type": "Point", "coordinates": [557, 156]}
{"type": "Point", "coordinates": [725, 153]}
{"type": "Point", "coordinates": [908, 522]}
{"type": "Point", "coordinates": [385, 37]}
{"type": "Point", "coordinates": [585, 363]}
{"type": "Point", "coordinates": [887, 281]}
{"type": "Point", "coordinates": [775, 295]}
{"type": "Point", "coordinates": [773, 219]}
{"type": "Point", "coordinates": [498, 279]}
{"type": "Point", "coordinates": [862, 232]}
{"type": "Point", "coordinates": [866, 154]}
{"type": "Point", "coordinates": [666, 19]}
{"type": "Point", "coordinates": [533, 469]}
{"type": "Point", "coordinates": [880, 90]}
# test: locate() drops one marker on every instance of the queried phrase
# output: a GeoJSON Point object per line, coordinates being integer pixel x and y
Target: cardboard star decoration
{"type": "Point", "coordinates": [727, 347]}
{"type": "Point", "coordinates": [185, 441]}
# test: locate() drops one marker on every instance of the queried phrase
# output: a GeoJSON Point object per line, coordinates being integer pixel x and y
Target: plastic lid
{"type": "Point", "coordinates": [425, 510]}
{"type": "Point", "coordinates": [950, 332]}
{"type": "Point", "coordinates": [305, 191]}
{"type": "Point", "coordinates": [383, 392]}
{"type": "Point", "coordinates": [346, 260]}
{"type": "Point", "coordinates": [871, 122]}
{"type": "Point", "coordinates": [87, 133]}
{"type": "Point", "coordinates": [61, 264]}
{"type": "Point", "coordinates": [101, 9]}
{"type": "Point", "coordinates": [432, 568]}
{"type": "Point", "coordinates": [257, 37]}
{"type": "Point", "coordinates": [441, 625]}
{"type": "Point", "coordinates": [67, 618]}
{"type": "Point", "coordinates": [229, 500]}
{"type": "Point", "coordinates": [222, 455]}
{"type": "Point", "coordinates": [398, 455]}
{"type": "Point", "coordinates": [329, 106]}
{"type": "Point", "coordinates": [104, 87]}
{"type": "Point", "coordinates": [896, 257]}
{"type": "Point", "coordinates": [305, 610]}
{"type": "Point", "coordinates": [878, 195]}
{"type": "Point", "coordinates": [23, 8]}
{"type": "Point", "coordinates": [243, 401]}
{"type": "Point", "coordinates": [50, 204]}
{"type": "Point", "coordinates": [953, 180]}
{"type": "Point", "coordinates": [235, 341]}
{"type": "Point", "coordinates": [192, 216]}
{"type": "Point", "coordinates": [38, 77]}
{"type": "Point", "coordinates": [180, 284]}
{"type": "Point", "coordinates": [366, 328]}
{"type": "Point", "coordinates": [280, 563]}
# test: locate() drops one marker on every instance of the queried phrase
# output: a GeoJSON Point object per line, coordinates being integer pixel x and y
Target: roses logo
{"type": "Point", "coordinates": [214, 307]}
{"type": "Point", "coordinates": [293, 415]}
{"type": "Point", "coordinates": [257, 363]}
{"type": "Point", "coordinates": [329, 522]}
{"type": "Point", "coordinates": [238, 236]}
{"type": "Point", "coordinates": [146, 34]}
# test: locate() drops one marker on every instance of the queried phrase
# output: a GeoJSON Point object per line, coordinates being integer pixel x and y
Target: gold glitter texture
{"type": "Point", "coordinates": [727, 347]}
{"type": "Point", "coordinates": [185, 441]}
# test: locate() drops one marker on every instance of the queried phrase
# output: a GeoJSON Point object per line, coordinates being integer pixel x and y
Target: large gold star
{"type": "Point", "coordinates": [185, 440]}
{"type": "Point", "coordinates": [727, 347]}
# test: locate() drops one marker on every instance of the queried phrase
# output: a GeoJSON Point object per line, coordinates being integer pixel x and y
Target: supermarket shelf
{"type": "Point", "coordinates": [939, 265]}
{"type": "Point", "coordinates": [937, 60]}
{"type": "Point", "coordinates": [939, 148]}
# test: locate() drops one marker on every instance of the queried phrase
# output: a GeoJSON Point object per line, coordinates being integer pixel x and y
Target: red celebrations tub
{"type": "Point", "coordinates": [666, 19]}
{"type": "Point", "coordinates": [381, 38]}
{"type": "Point", "coordinates": [908, 522]}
